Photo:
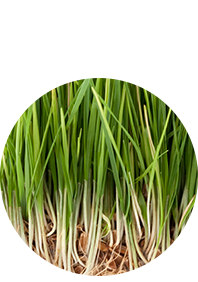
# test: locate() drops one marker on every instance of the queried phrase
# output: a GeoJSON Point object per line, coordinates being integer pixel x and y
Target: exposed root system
{"type": "Point", "coordinates": [110, 260]}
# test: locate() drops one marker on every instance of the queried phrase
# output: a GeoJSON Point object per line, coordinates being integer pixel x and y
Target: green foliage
{"type": "Point", "coordinates": [92, 148]}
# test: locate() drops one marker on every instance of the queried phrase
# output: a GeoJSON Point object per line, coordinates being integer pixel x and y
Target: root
{"type": "Point", "coordinates": [110, 257]}
{"type": "Point", "coordinates": [110, 260]}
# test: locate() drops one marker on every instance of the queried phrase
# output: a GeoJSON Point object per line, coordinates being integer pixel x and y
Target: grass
{"type": "Point", "coordinates": [98, 176]}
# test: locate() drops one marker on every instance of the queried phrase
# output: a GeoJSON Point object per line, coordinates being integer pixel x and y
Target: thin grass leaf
{"type": "Point", "coordinates": [37, 162]}
{"type": "Point", "coordinates": [193, 178]}
{"type": "Point", "coordinates": [136, 147]}
{"type": "Point", "coordinates": [80, 95]}
{"type": "Point", "coordinates": [110, 141]}
{"type": "Point", "coordinates": [19, 169]}
{"type": "Point", "coordinates": [186, 212]}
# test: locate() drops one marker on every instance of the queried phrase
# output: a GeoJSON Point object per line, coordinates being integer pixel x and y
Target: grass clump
{"type": "Point", "coordinates": [98, 176]}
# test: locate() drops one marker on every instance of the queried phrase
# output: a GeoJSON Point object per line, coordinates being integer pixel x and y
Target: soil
{"type": "Point", "coordinates": [109, 260]}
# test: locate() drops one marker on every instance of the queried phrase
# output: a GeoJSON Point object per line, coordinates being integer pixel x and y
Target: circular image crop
{"type": "Point", "coordinates": [98, 177]}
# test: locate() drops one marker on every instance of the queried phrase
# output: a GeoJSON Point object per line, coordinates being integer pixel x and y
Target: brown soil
{"type": "Point", "coordinates": [109, 260]}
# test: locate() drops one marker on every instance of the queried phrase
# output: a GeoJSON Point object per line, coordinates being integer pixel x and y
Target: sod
{"type": "Point", "coordinates": [98, 177]}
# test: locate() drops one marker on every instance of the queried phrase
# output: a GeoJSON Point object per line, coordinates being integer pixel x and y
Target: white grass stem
{"type": "Point", "coordinates": [119, 221]}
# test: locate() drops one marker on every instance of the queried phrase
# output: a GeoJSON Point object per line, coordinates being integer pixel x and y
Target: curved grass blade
{"type": "Point", "coordinates": [186, 212]}
{"type": "Point", "coordinates": [74, 105]}
{"type": "Point", "coordinates": [79, 97]}
{"type": "Point", "coordinates": [110, 141]}
{"type": "Point", "coordinates": [136, 146]}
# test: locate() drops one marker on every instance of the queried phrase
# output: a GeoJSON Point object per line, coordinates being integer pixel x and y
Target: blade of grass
{"type": "Point", "coordinates": [74, 106]}
{"type": "Point", "coordinates": [120, 121]}
{"type": "Point", "coordinates": [110, 141]}
{"type": "Point", "coordinates": [38, 164]}
{"type": "Point", "coordinates": [80, 95]}
{"type": "Point", "coordinates": [136, 146]}
{"type": "Point", "coordinates": [186, 212]}
{"type": "Point", "coordinates": [196, 231]}
{"type": "Point", "coordinates": [19, 169]}
{"type": "Point", "coordinates": [153, 171]}
{"type": "Point", "coordinates": [189, 219]}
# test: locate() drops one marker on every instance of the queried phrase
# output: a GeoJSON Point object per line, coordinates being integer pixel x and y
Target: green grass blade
{"type": "Point", "coordinates": [186, 212]}
{"type": "Point", "coordinates": [80, 95]}
{"type": "Point", "coordinates": [196, 230]}
{"type": "Point", "coordinates": [19, 169]}
{"type": "Point", "coordinates": [154, 169]}
{"type": "Point", "coordinates": [110, 141]}
{"type": "Point", "coordinates": [36, 177]}
{"type": "Point", "coordinates": [36, 149]}
{"type": "Point", "coordinates": [136, 146]}
{"type": "Point", "coordinates": [193, 178]}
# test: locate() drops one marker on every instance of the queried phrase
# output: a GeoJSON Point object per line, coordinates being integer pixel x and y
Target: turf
{"type": "Point", "coordinates": [98, 176]}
